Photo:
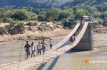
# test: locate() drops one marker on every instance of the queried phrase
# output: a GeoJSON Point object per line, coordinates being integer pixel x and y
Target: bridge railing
{"type": "Point", "coordinates": [8, 55]}
{"type": "Point", "coordinates": [60, 44]}
{"type": "Point", "coordinates": [77, 40]}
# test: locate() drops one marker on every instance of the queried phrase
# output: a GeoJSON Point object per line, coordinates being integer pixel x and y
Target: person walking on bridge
{"type": "Point", "coordinates": [27, 49]}
{"type": "Point", "coordinates": [32, 49]}
{"type": "Point", "coordinates": [39, 48]}
{"type": "Point", "coordinates": [72, 38]}
{"type": "Point", "coordinates": [50, 43]}
{"type": "Point", "coordinates": [43, 46]}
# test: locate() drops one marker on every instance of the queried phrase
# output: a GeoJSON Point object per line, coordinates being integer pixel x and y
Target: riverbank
{"type": "Point", "coordinates": [28, 35]}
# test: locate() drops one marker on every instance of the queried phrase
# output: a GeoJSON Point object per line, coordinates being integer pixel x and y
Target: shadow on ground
{"type": "Point", "coordinates": [50, 66]}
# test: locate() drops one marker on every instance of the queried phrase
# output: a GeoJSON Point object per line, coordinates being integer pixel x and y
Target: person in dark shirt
{"type": "Point", "coordinates": [72, 38]}
{"type": "Point", "coordinates": [27, 49]}
{"type": "Point", "coordinates": [50, 42]}
{"type": "Point", "coordinates": [43, 46]}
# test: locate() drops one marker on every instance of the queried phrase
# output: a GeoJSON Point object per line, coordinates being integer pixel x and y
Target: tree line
{"type": "Point", "coordinates": [66, 15]}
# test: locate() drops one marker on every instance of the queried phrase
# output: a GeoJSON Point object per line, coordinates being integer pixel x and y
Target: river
{"type": "Point", "coordinates": [84, 60]}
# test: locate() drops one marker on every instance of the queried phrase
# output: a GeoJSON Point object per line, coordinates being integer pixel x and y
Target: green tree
{"type": "Point", "coordinates": [20, 15]}
{"type": "Point", "coordinates": [20, 27]}
{"type": "Point", "coordinates": [80, 13]}
{"type": "Point", "coordinates": [97, 14]}
{"type": "Point", "coordinates": [66, 13]}
{"type": "Point", "coordinates": [42, 17]}
{"type": "Point", "coordinates": [53, 14]}
{"type": "Point", "coordinates": [68, 22]}
{"type": "Point", "coordinates": [104, 16]}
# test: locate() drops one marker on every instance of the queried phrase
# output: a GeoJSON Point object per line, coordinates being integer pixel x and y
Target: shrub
{"type": "Point", "coordinates": [6, 20]}
{"type": "Point", "coordinates": [67, 22]}
{"type": "Point", "coordinates": [16, 28]}
{"type": "Point", "coordinates": [2, 31]}
{"type": "Point", "coordinates": [20, 15]}
{"type": "Point", "coordinates": [32, 24]}
{"type": "Point", "coordinates": [19, 27]}
{"type": "Point", "coordinates": [42, 17]}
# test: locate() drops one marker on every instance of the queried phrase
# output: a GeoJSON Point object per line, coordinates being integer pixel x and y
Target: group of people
{"type": "Point", "coordinates": [41, 48]}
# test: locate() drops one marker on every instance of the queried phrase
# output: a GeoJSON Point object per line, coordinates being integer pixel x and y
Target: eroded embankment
{"type": "Point", "coordinates": [9, 32]}
{"type": "Point", "coordinates": [34, 35]}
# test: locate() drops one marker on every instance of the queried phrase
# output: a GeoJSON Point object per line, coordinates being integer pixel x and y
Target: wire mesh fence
{"type": "Point", "coordinates": [15, 53]}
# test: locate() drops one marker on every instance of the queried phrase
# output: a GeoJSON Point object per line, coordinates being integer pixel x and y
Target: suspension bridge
{"type": "Point", "coordinates": [83, 41]}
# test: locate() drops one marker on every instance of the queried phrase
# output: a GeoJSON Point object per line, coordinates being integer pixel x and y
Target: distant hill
{"type": "Point", "coordinates": [49, 3]}
{"type": "Point", "coordinates": [85, 2]}
{"type": "Point", "coordinates": [33, 3]}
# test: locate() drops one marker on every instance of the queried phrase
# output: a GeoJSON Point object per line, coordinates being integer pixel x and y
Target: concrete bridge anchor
{"type": "Point", "coordinates": [86, 42]}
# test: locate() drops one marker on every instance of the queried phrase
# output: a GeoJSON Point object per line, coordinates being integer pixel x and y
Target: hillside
{"type": "Point", "coordinates": [49, 3]}
{"type": "Point", "coordinates": [85, 2]}
{"type": "Point", "coordinates": [33, 3]}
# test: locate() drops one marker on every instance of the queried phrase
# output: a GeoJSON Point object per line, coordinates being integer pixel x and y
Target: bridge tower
{"type": "Point", "coordinates": [86, 42]}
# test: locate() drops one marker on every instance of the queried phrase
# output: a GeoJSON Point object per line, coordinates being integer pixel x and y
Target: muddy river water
{"type": "Point", "coordinates": [84, 60]}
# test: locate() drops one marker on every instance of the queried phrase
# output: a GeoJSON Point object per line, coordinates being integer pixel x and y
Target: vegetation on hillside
{"type": "Point", "coordinates": [25, 14]}
{"type": "Point", "coordinates": [65, 11]}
